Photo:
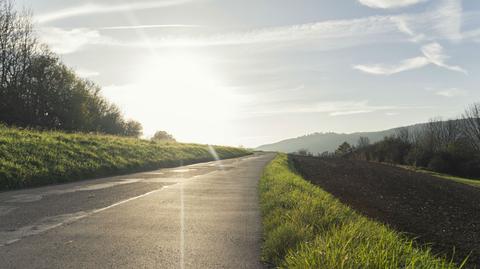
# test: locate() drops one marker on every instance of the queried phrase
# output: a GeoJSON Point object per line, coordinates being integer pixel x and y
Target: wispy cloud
{"type": "Point", "coordinates": [382, 69]}
{"type": "Point", "coordinates": [334, 108]}
{"type": "Point", "coordinates": [404, 27]}
{"type": "Point", "coordinates": [432, 54]}
{"type": "Point", "coordinates": [85, 73]}
{"type": "Point", "coordinates": [349, 112]}
{"type": "Point", "coordinates": [322, 35]}
{"type": "Point", "coordinates": [150, 26]}
{"type": "Point", "coordinates": [88, 9]}
{"type": "Point", "coordinates": [325, 35]}
{"type": "Point", "coordinates": [325, 31]}
{"type": "Point", "coordinates": [389, 3]}
{"type": "Point", "coordinates": [473, 34]}
{"type": "Point", "coordinates": [69, 41]}
{"type": "Point", "coordinates": [452, 92]}
{"type": "Point", "coordinates": [448, 18]}
{"type": "Point", "coordinates": [442, 21]}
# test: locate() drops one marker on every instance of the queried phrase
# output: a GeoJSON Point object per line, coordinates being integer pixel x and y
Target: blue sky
{"type": "Point", "coordinates": [252, 72]}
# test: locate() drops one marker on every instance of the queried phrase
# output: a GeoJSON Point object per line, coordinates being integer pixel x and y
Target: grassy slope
{"type": "Point", "coordinates": [305, 227]}
{"type": "Point", "coordinates": [31, 158]}
{"type": "Point", "coordinates": [471, 182]}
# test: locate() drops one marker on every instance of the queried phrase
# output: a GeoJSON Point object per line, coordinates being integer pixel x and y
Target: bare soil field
{"type": "Point", "coordinates": [441, 213]}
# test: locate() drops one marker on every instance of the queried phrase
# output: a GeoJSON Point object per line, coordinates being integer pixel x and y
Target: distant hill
{"type": "Point", "coordinates": [321, 142]}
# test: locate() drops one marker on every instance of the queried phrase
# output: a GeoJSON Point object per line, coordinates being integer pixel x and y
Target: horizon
{"type": "Point", "coordinates": [360, 132]}
{"type": "Point", "coordinates": [220, 72]}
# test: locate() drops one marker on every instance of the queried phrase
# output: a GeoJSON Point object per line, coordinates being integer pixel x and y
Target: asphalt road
{"type": "Point", "coordinates": [198, 216]}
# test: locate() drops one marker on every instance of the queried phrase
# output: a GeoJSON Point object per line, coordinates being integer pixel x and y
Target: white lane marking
{"type": "Point", "coordinates": [25, 198]}
{"type": "Point", "coordinates": [4, 210]}
{"type": "Point", "coordinates": [128, 200]}
{"type": "Point", "coordinates": [33, 197]}
{"type": "Point", "coordinates": [182, 228]}
{"type": "Point", "coordinates": [182, 170]}
{"type": "Point", "coordinates": [10, 237]}
{"type": "Point", "coordinates": [46, 224]}
{"type": "Point", "coordinates": [28, 198]}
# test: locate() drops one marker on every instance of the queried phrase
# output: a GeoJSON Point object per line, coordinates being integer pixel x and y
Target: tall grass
{"type": "Point", "coordinates": [31, 158]}
{"type": "Point", "coordinates": [305, 227]}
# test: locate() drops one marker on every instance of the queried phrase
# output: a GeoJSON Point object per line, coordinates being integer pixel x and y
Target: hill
{"type": "Point", "coordinates": [32, 158]}
{"type": "Point", "coordinates": [321, 142]}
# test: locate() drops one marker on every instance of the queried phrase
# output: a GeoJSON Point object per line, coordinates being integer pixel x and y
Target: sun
{"type": "Point", "coordinates": [187, 85]}
{"type": "Point", "coordinates": [176, 90]}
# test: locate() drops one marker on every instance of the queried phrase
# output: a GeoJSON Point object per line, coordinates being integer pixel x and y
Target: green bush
{"type": "Point", "coordinates": [31, 158]}
{"type": "Point", "coordinates": [305, 227]}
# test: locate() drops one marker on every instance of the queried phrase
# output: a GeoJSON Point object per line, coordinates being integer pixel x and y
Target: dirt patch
{"type": "Point", "coordinates": [438, 212]}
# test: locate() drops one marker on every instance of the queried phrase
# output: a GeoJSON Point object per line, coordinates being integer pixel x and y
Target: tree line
{"type": "Point", "coordinates": [451, 146]}
{"type": "Point", "coordinates": [38, 91]}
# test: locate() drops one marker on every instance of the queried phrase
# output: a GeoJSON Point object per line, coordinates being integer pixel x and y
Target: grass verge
{"type": "Point", "coordinates": [305, 227]}
{"type": "Point", "coordinates": [31, 158]}
{"type": "Point", "coordinates": [468, 181]}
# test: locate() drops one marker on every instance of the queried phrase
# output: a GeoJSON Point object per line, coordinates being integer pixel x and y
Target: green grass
{"type": "Point", "coordinates": [305, 227]}
{"type": "Point", "coordinates": [468, 181]}
{"type": "Point", "coordinates": [31, 158]}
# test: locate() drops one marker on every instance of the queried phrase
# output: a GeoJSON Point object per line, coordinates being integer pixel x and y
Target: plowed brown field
{"type": "Point", "coordinates": [438, 212]}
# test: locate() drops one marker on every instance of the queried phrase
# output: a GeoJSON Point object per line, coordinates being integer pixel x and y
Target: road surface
{"type": "Point", "coordinates": [198, 216]}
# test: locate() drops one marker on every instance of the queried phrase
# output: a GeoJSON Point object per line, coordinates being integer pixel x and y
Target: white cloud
{"type": "Point", "coordinates": [448, 17]}
{"type": "Point", "coordinates": [442, 22]}
{"type": "Point", "coordinates": [321, 35]}
{"type": "Point", "coordinates": [453, 92]}
{"type": "Point", "coordinates": [389, 3]}
{"type": "Point", "coordinates": [335, 108]}
{"type": "Point", "coordinates": [88, 9]}
{"type": "Point", "coordinates": [68, 41]}
{"type": "Point", "coordinates": [472, 34]}
{"type": "Point", "coordinates": [432, 54]}
{"type": "Point", "coordinates": [381, 69]}
{"type": "Point", "coordinates": [85, 73]}
{"type": "Point", "coordinates": [349, 112]}
{"type": "Point", "coordinates": [404, 27]}
{"type": "Point", "coordinates": [150, 26]}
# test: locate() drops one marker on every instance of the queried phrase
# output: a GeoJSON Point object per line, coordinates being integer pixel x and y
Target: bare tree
{"type": "Point", "coordinates": [403, 134]}
{"type": "Point", "coordinates": [303, 152]}
{"type": "Point", "coordinates": [363, 142]}
{"type": "Point", "coordinates": [432, 136]}
{"type": "Point", "coordinates": [18, 46]}
{"type": "Point", "coordinates": [471, 122]}
{"type": "Point", "coordinates": [450, 133]}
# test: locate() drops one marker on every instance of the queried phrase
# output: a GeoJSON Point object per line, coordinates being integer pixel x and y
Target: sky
{"type": "Point", "coordinates": [252, 72]}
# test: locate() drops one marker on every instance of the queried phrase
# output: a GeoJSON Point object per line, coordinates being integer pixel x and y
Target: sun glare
{"type": "Point", "coordinates": [179, 87]}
